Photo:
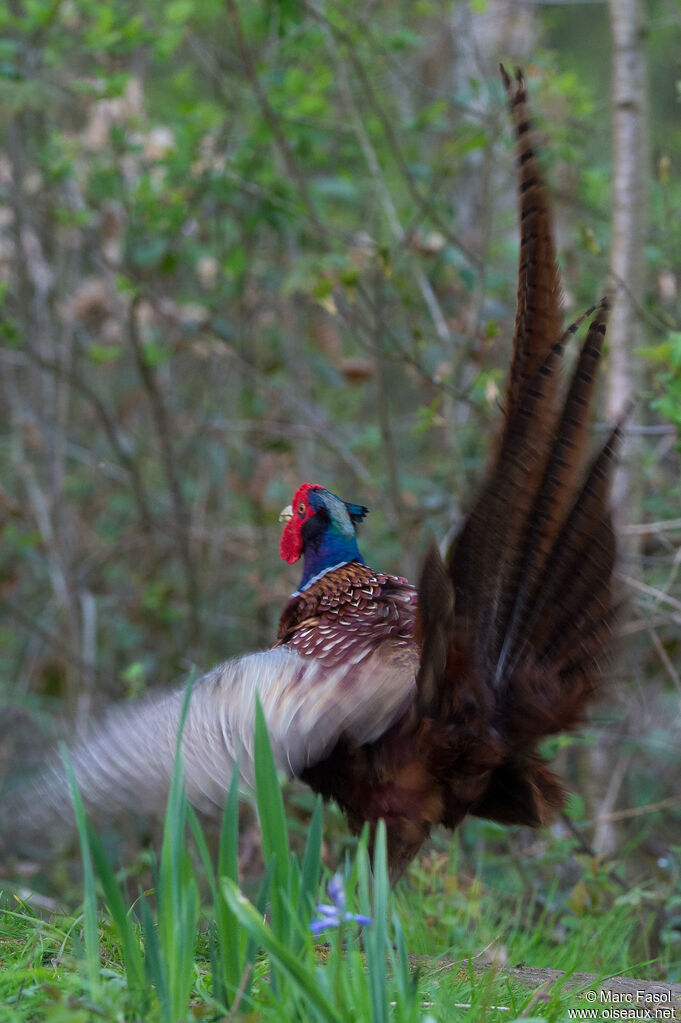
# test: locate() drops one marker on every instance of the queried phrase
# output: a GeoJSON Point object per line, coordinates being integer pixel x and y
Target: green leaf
{"type": "Point", "coordinates": [104, 353]}
{"type": "Point", "coordinates": [323, 288]}
{"type": "Point", "coordinates": [155, 354]}
{"type": "Point", "coordinates": [656, 353]}
{"type": "Point", "coordinates": [336, 188]}
{"type": "Point", "coordinates": [179, 11]}
{"type": "Point", "coordinates": [148, 254]}
{"type": "Point", "coordinates": [574, 807]}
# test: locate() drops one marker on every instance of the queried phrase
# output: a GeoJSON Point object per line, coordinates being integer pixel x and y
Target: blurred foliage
{"type": "Point", "coordinates": [244, 245]}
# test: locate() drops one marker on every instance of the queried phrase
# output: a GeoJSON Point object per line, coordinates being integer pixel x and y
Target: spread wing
{"type": "Point", "coordinates": [126, 763]}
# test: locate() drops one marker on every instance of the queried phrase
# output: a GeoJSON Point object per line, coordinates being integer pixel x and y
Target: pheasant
{"type": "Point", "coordinates": [418, 705]}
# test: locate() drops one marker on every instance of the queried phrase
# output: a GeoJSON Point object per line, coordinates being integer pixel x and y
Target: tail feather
{"type": "Point", "coordinates": [590, 654]}
{"type": "Point", "coordinates": [532, 566]}
{"type": "Point", "coordinates": [558, 487]}
{"type": "Point", "coordinates": [538, 323]}
{"type": "Point", "coordinates": [588, 598]}
{"type": "Point", "coordinates": [566, 459]}
{"type": "Point", "coordinates": [485, 555]}
{"type": "Point", "coordinates": [489, 547]}
{"type": "Point", "coordinates": [434, 626]}
{"type": "Point", "coordinates": [584, 549]}
{"type": "Point", "coordinates": [524, 791]}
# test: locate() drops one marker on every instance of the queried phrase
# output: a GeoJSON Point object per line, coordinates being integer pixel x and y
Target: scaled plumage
{"type": "Point", "coordinates": [416, 707]}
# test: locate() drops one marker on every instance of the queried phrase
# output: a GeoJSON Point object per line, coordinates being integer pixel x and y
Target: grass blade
{"type": "Point", "coordinates": [177, 893]}
{"type": "Point", "coordinates": [229, 938]}
{"type": "Point", "coordinates": [312, 861]}
{"type": "Point", "coordinates": [90, 926]}
{"type": "Point", "coordinates": [377, 937]}
{"type": "Point", "coordinates": [274, 831]}
{"type": "Point", "coordinates": [271, 812]}
{"type": "Point", "coordinates": [153, 963]}
{"type": "Point", "coordinates": [130, 951]}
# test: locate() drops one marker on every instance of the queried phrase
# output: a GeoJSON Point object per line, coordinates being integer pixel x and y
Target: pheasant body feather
{"type": "Point", "coordinates": [350, 601]}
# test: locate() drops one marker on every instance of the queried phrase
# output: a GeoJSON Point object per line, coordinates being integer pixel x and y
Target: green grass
{"type": "Point", "coordinates": [174, 955]}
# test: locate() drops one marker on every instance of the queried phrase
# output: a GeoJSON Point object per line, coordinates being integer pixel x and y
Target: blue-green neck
{"type": "Point", "coordinates": [329, 549]}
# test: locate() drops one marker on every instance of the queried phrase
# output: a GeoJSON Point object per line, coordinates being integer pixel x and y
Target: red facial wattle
{"type": "Point", "coordinates": [291, 543]}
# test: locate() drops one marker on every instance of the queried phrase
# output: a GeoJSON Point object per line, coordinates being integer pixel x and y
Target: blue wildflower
{"type": "Point", "coordinates": [335, 915]}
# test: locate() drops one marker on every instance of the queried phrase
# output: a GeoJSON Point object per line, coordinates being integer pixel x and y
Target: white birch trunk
{"type": "Point", "coordinates": [627, 270]}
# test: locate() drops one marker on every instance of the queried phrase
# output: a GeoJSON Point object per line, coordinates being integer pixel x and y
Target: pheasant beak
{"type": "Point", "coordinates": [286, 514]}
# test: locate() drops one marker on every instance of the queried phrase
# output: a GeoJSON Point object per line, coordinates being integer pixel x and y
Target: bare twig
{"type": "Point", "coordinates": [639, 811]}
{"type": "Point", "coordinates": [382, 407]}
{"type": "Point", "coordinates": [589, 849]}
{"type": "Point", "coordinates": [52, 639]}
{"type": "Point", "coordinates": [648, 528]}
{"type": "Point", "coordinates": [88, 614]}
{"type": "Point", "coordinates": [643, 624]}
{"type": "Point", "coordinates": [272, 119]}
{"type": "Point", "coordinates": [612, 791]}
{"type": "Point", "coordinates": [110, 428]}
{"type": "Point", "coordinates": [423, 204]}
{"type": "Point", "coordinates": [383, 192]}
{"type": "Point", "coordinates": [652, 591]}
{"type": "Point", "coordinates": [304, 412]}
{"type": "Point", "coordinates": [664, 657]}
{"type": "Point", "coordinates": [181, 516]}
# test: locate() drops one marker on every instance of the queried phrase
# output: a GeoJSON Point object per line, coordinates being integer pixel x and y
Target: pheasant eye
{"type": "Point", "coordinates": [301, 508]}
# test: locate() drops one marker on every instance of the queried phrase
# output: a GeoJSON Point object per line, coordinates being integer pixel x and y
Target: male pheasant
{"type": "Point", "coordinates": [415, 706]}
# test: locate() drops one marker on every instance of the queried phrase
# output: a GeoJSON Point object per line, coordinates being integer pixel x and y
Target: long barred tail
{"type": "Point", "coordinates": [516, 622]}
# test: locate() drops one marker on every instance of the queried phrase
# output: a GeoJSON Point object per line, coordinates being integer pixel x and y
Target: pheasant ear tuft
{"type": "Point", "coordinates": [356, 511]}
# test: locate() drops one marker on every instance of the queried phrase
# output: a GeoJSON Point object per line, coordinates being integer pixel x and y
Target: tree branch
{"type": "Point", "coordinates": [181, 516]}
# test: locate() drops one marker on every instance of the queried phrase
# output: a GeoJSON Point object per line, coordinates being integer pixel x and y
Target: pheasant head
{"type": "Point", "coordinates": [320, 528]}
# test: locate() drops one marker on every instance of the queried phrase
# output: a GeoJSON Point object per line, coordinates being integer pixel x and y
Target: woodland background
{"type": "Point", "coordinates": [245, 245]}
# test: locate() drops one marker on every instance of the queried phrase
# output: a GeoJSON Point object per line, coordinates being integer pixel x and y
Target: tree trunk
{"type": "Point", "coordinates": [630, 170]}
{"type": "Point", "coordinates": [627, 269]}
